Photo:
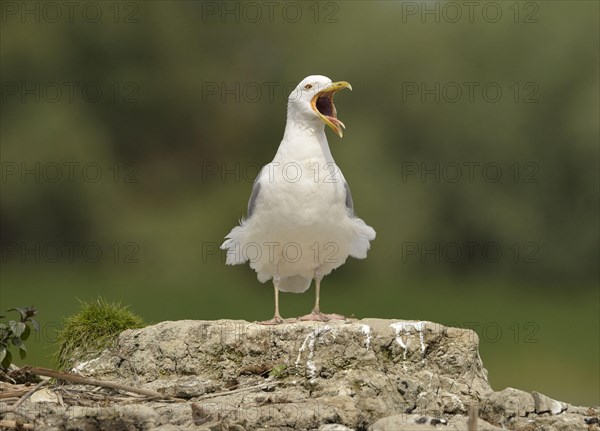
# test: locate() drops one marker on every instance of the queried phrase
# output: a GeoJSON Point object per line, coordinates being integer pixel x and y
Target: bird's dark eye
{"type": "Point", "coordinates": [308, 86]}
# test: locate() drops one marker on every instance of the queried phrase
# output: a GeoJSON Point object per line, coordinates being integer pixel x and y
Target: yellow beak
{"type": "Point", "coordinates": [323, 105]}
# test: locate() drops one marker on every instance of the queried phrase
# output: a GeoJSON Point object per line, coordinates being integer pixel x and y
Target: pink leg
{"type": "Point", "coordinates": [316, 314]}
{"type": "Point", "coordinates": [276, 320]}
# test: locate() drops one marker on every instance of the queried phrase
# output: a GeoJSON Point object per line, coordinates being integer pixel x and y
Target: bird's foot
{"type": "Point", "coordinates": [277, 320]}
{"type": "Point", "coordinates": [321, 317]}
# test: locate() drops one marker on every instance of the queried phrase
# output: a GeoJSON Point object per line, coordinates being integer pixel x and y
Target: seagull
{"type": "Point", "coordinates": [300, 223]}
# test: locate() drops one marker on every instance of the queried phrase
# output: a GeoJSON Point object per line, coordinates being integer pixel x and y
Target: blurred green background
{"type": "Point", "coordinates": [131, 133]}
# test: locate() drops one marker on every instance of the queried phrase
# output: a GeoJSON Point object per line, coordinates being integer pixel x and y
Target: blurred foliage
{"type": "Point", "coordinates": [191, 156]}
{"type": "Point", "coordinates": [16, 332]}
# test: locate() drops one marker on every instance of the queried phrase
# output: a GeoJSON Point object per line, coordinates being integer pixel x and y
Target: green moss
{"type": "Point", "coordinates": [93, 329]}
{"type": "Point", "coordinates": [278, 371]}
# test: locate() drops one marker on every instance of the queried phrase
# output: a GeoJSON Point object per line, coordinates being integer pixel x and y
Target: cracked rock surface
{"type": "Point", "coordinates": [370, 374]}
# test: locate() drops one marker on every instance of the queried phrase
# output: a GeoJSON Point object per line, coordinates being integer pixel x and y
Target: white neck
{"type": "Point", "coordinates": [303, 138]}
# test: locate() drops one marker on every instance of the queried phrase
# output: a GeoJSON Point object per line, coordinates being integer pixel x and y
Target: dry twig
{"type": "Point", "coordinates": [30, 393]}
{"type": "Point", "coordinates": [235, 391]}
{"type": "Point", "coordinates": [13, 394]}
{"type": "Point", "coordinates": [75, 378]}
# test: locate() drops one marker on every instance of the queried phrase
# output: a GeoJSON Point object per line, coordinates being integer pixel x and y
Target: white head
{"type": "Point", "coordinates": [312, 100]}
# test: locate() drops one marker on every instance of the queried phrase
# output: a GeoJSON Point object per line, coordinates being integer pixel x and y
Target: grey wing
{"type": "Point", "coordinates": [349, 202]}
{"type": "Point", "coordinates": [255, 191]}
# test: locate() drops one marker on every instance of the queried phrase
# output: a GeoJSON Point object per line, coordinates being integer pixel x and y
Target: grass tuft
{"type": "Point", "coordinates": [93, 329]}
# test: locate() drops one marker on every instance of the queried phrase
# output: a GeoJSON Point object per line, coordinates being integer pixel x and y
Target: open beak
{"type": "Point", "coordinates": [323, 105]}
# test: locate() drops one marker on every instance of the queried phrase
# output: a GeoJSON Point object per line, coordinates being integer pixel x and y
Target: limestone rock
{"type": "Point", "coordinates": [544, 404]}
{"type": "Point", "coordinates": [418, 422]}
{"type": "Point", "coordinates": [126, 417]}
{"type": "Point", "coordinates": [345, 375]}
{"type": "Point", "coordinates": [334, 427]}
{"type": "Point", "coordinates": [507, 406]}
{"type": "Point", "coordinates": [398, 361]}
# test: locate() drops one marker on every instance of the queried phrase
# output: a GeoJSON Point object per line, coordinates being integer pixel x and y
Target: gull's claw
{"type": "Point", "coordinates": [321, 317]}
{"type": "Point", "coordinates": [277, 320]}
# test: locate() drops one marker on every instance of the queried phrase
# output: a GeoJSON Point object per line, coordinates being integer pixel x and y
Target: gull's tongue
{"type": "Point", "coordinates": [334, 118]}
{"type": "Point", "coordinates": [337, 122]}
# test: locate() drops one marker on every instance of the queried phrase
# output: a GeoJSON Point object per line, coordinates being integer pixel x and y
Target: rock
{"type": "Point", "coordinates": [402, 422]}
{"type": "Point", "coordinates": [192, 358]}
{"type": "Point", "coordinates": [418, 422]}
{"type": "Point", "coordinates": [544, 404]}
{"type": "Point", "coordinates": [461, 423]}
{"type": "Point", "coordinates": [125, 417]}
{"type": "Point", "coordinates": [506, 406]}
{"type": "Point", "coordinates": [45, 395]}
{"type": "Point", "coordinates": [334, 427]}
{"type": "Point", "coordinates": [345, 375]}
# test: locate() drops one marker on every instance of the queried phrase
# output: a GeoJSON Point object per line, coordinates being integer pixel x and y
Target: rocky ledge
{"type": "Point", "coordinates": [369, 374]}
